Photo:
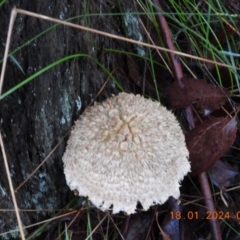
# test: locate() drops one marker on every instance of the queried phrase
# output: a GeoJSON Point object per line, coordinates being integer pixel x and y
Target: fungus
{"type": "Point", "coordinates": [126, 150]}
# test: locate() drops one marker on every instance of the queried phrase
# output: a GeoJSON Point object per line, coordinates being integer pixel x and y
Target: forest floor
{"type": "Point", "coordinates": [184, 55]}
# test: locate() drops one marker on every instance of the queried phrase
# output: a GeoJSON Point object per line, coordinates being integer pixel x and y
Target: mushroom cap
{"type": "Point", "coordinates": [124, 150]}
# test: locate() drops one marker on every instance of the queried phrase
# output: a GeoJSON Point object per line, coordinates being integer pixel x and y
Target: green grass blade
{"type": "Point", "coordinates": [27, 80]}
{"type": "Point", "coordinates": [2, 2]}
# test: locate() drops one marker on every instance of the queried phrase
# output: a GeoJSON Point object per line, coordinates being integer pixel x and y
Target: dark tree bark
{"type": "Point", "coordinates": [38, 115]}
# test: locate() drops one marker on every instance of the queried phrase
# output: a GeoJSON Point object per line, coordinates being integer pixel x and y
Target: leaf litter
{"type": "Point", "coordinates": [170, 225]}
{"type": "Point", "coordinates": [206, 97]}
{"type": "Point", "coordinates": [223, 174]}
{"type": "Point", "coordinates": [209, 141]}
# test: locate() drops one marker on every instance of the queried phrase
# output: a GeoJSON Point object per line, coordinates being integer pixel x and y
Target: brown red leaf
{"type": "Point", "coordinates": [209, 141]}
{"type": "Point", "coordinates": [206, 97]}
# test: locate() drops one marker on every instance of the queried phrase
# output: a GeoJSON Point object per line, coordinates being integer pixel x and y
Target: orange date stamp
{"type": "Point", "coordinates": [194, 215]}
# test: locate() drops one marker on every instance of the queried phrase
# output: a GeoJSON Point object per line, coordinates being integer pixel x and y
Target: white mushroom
{"type": "Point", "coordinates": [124, 150]}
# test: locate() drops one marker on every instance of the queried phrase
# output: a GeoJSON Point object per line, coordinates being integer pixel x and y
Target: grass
{"type": "Point", "coordinates": [195, 29]}
{"type": "Point", "coordinates": [52, 65]}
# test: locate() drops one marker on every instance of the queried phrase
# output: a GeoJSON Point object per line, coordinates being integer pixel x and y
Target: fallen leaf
{"type": "Point", "coordinates": [175, 225]}
{"type": "Point", "coordinates": [209, 141]}
{"type": "Point", "coordinates": [138, 227]}
{"type": "Point", "coordinates": [223, 174]}
{"type": "Point", "coordinates": [205, 96]}
{"type": "Point", "coordinates": [170, 226]}
{"type": "Point", "coordinates": [164, 235]}
{"type": "Point", "coordinates": [224, 34]}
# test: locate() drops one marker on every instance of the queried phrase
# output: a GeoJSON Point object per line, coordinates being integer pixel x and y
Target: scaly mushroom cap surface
{"type": "Point", "coordinates": [124, 150]}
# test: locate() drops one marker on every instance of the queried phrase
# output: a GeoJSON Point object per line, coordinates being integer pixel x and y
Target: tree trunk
{"type": "Point", "coordinates": [37, 116]}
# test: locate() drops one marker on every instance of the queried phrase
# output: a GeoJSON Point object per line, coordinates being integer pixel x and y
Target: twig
{"type": "Point", "coordinates": [11, 23]}
{"type": "Point", "coordinates": [168, 40]}
{"type": "Point", "coordinates": [11, 189]}
{"type": "Point", "coordinates": [206, 191]}
{"type": "Point", "coordinates": [177, 69]}
{"type": "Point", "coordinates": [13, 16]}
{"type": "Point", "coordinates": [126, 225]}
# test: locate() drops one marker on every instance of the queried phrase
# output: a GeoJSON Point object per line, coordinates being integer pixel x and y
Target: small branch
{"type": "Point", "coordinates": [206, 191]}
{"type": "Point", "coordinates": [11, 189]}
{"type": "Point", "coordinates": [12, 19]}
{"type": "Point", "coordinates": [168, 40]}
{"type": "Point", "coordinates": [126, 226]}
{"type": "Point", "coordinates": [178, 74]}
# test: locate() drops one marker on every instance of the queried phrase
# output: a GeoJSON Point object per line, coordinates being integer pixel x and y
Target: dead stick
{"type": "Point", "coordinates": [178, 74]}
{"type": "Point", "coordinates": [168, 40]}
{"type": "Point", "coordinates": [214, 224]}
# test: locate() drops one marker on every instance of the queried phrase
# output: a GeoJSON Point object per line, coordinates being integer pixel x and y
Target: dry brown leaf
{"type": "Point", "coordinates": [139, 225]}
{"type": "Point", "coordinates": [209, 141]}
{"type": "Point", "coordinates": [223, 174]}
{"type": "Point", "coordinates": [164, 235]}
{"type": "Point", "coordinates": [206, 97]}
{"type": "Point", "coordinates": [174, 226]}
